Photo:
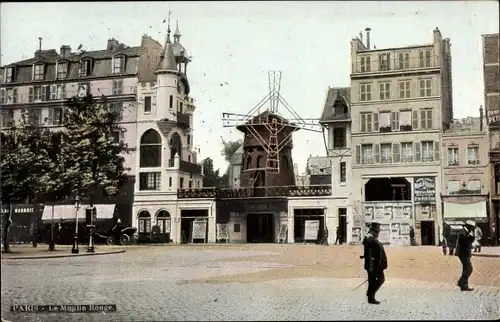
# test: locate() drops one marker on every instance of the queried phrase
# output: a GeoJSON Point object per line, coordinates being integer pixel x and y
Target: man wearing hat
{"type": "Point", "coordinates": [464, 253]}
{"type": "Point", "coordinates": [375, 262]}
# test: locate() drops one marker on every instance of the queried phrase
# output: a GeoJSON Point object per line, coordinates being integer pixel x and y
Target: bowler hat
{"type": "Point", "coordinates": [375, 226]}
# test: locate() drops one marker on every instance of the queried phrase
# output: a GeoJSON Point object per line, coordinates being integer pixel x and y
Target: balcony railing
{"type": "Point", "coordinates": [183, 119]}
{"type": "Point", "coordinates": [189, 167]}
{"type": "Point", "coordinates": [395, 65]}
{"type": "Point", "coordinates": [284, 191]}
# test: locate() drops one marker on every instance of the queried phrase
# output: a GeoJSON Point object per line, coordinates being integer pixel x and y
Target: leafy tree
{"type": "Point", "coordinates": [25, 166]}
{"type": "Point", "coordinates": [91, 158]}
{"type": "Point", "coordinates": [230, 148]}
{"type": "Point", "coordinates": [211, 178]}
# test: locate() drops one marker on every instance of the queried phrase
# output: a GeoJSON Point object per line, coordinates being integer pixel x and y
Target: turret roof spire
{"type": "Point", "coordinates": [177, 33]}
{"type": "Point", "coordinates": [168, 62]}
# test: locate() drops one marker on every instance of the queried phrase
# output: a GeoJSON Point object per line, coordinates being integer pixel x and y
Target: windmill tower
{"type": "Point", "coordinates": [267, 146]}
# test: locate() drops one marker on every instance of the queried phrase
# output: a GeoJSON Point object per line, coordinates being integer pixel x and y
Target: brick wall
{"type": "Point", "coordinates": [491, 49]}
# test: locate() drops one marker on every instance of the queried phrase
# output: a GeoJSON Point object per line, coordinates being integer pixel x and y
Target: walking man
{"type": "Point", "coordinates": [338, 239]}
{"type": "Point", "coordinates": [375, 262]}
{"type": "Point", "coordinates": [463, 252]}
{"type": "Point", "coordinates": [478, 236]}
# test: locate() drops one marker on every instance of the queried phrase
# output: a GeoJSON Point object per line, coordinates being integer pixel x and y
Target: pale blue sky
{"type": "Point", "coordinates": [238, 42]}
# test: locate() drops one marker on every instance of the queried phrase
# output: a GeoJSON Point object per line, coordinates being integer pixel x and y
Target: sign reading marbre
{"type": "Point", "coordinates": [425, 190]}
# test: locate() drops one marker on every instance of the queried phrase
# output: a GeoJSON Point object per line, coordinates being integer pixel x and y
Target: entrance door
{"type": "Point", "coordinates": [427, 232]}
{"type": "Point", "coordinates": [343, 224]}
{"type": "Point", "coordinates": [260, 228]}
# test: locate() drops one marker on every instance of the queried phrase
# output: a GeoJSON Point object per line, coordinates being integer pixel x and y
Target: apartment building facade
{"type": "Point", "coordinates": [491, 73]}
{"type": "Point", "coordinates": [41, 85]}
{"type": "Point", "coordinates": [400, 105]}
{"type": "Point", "coordinates": [466, 173]}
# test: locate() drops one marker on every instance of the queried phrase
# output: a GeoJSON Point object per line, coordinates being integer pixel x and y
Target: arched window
{"type": "Point", "coordinates": [150, 150]}
{"type": "Point", "coordinates": [248, 163]}
{"type": "Point", "coordinates": [171, 101]}
{"type": "Point", "coordinates": [163, 221]}
{"type": "Point", "coordinates": [144, 222]}
{"type": "Point", "coordinates": [285, 166]}
{"type": "Point", "coordinates": [259, 162]}
{"type": "Point", "coordinates": [175, 146]}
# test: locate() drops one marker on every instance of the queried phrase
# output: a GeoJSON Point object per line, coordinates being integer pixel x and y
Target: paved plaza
{"type": "Point", "coordinates": [261, 282]}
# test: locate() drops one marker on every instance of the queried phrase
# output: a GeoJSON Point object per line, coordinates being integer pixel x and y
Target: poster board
{"type": "Point", "coordinates": [199, 229]}
{"type": "Point", "coordinates": [356, 235]}
{"type": "Point", "coordinates": [282, 236]}
{"type": "Point", "coordinates": [311, 229]}
{"type": "Point", "coordinates": [167, 226]}
{"type": "Point", "coordinates": [385, 234]}
{"type": "Point", "coordinates": [223, 232]}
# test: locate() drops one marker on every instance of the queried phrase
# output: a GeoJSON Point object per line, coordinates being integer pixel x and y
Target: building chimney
{"type": "Point", "coordinates": [65, 51]}
{"type": "Point", "coordinates": [368, 37]}
{"type": "Point", "coordinates": [481, 116]}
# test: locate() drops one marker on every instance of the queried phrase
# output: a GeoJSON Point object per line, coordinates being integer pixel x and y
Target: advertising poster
{"type": "Point", "coordinates": [199, 229]}
{"type": "Point", "coordinates": [405, 229]}
{"type": "Point", "coordinates": [397, 214]}
{"type": "Point", "coordinates": [395, 229]}
{"type": "Point", "coordinates": [357, 221]}
{"type": "Point", "coordinates": [425, 190]}
{"type": "Point", "coordinates": [356, 234]}
{"type": "Point", "coordinates": [368, 211]}
{"type": "Point", "coordinates": [385, 234]}
{"type": "Point", "coordinates": [407, 214]}
{"type": "Point", "coordinates": [222, 231]}
{"type": "Point", "coordinates": [378, 215]}
{"type": "Point", "coordinates": [311, 229]}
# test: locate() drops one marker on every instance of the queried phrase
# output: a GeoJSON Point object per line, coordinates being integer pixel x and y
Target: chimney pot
{"type": "Point", "coordinates": [368, 37]}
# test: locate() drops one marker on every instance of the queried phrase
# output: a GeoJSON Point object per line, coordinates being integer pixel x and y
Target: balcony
{"type": "Point", "coordinates": [285, 191]}
{"type": "Point", "coordinates": [183, 120]}
{"type": "Point", "coordinates": [189, 167]}
{"type": "Point", "coordinates": [394, 66]}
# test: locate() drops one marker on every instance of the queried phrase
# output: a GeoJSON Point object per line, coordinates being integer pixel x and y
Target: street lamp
{"type": "Point", "coordinates": [75, 241]}
{"type": "Point", "coordinates": [91, 217]}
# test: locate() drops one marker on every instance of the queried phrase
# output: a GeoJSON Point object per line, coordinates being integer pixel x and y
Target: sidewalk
{"type": "Point", "coordinates": [488, 252]}
{"type": "Point", "coordinates": [27, 251]}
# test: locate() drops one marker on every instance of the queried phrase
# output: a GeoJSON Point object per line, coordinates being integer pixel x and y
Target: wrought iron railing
{"type": "Point", "coordinates": [283, 191]}
{"type": "Point", "coordinates": [183, 119]}
{"type": "Point", "coordinates": [189, 167]}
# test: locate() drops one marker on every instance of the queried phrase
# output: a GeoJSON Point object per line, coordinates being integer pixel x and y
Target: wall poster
{"type": "Point", "coordinates": [385, 234]}
{"type": "Point", "coordinates": [356, 235]}
{"type": "Point", "coordinates": [424, 190]}
{"type": "Point", "coordinates": [368, 211]}
{"type": "Point", "coordinates": [397, 214]}
{"type": "Point", "coordinates": [378, 215]}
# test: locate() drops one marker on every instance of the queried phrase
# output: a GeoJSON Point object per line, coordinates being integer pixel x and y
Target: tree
{"type": "Point", "coordinates": [25, 166]}
{"type": "Point", "coordinates": [230, 148]}
{"type": "Point", "coordinates": [91, 158]}
{"type": "Point", "coordinates": [211, 178]}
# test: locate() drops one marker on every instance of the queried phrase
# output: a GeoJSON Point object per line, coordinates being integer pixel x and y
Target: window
{"type": "Point", "coordinates": [406, 152]}
{"type": "Point", "coordinates": [404, 60]}
{"type": "Point", "coordinates": [84, 69]}
{"type": "Point", "coordinates": [170, 101]}
{"type": "Point", "coordinates": [453, 186]}
{"type": "Point", "coordinates": [425, 88]}
{"type": "Point", "coordinates": [55, 116]}
{"type": "Point", "coordinates": [118, 65]}
{"type": "Point", "coordinates": [83, 89]}
{"type": "Point", "coordinates": [395, 121]}
{"type": "Point", "coordinates": [404, 89]}
{"type": "Point", "coordinates": [426, 119]}
{"type": "Point", "coordinates": [7, 118]}
{"type": "Point", "coordinates": [9, 96]}
{"type": "Point", "coordinates": [386, 153]}
{"type": "Point", "coordinates": [339, 138]}
{"type": "Point", "coordinates": [56, 92]}
{"type": "Point", "coordinates": [3, 96]}
{"type": "Point", "coordinates": [384, 62]}
{"type": "Point", "coordinates": [38, 72]}
{"type": "Point", "coordinates": [385, 90]}
{"type": "Point", "coordinates": [189, 139]}
{"type": "Point", "coordinates": [147, 104]}
{"type": "Point", "coordinates": [405, 121]}
{"type": "Point", "coordinates": [384, 120]}
{"type": "Point", "coordinates": [117, 87]}
{"type": "Point", "coordinates": [474, 186]}
{"type": "Point", "coordinates": [190, 183]}
{"type": "Point", "coordinates": [37, 94]}
{"type": "Point", "coordinates": [150, 149]}
{"type": "Point", "coordinates": [365, 92]}
{"type": "Point", "coordinates": [62, 70]}
{"type": "Point", "coordinates": [236, 228]}
{"type": "Point", "coordinates": [180, 107]}
{"type": "Point", "coordinates": [453, 156]}
{"type": "Point", "coordinates": [427, 151]}
{"type": "Point", "coordinates": [35, 117]}
{"type": "Point", "coordinates": [181, 182]}
{"type": "Point", "coordinates": [472, 155]}
{"type": "Point", "coordinates": [365, 64]}
{"type": "Point", "coordinates": [144, 222]}
{"type": "Point", "coordinates": [425, 58]}
{"type": "Point", "coordinates": [170, 181]}
{"type": "Point", "coordinates": [9, 75]}
{"type": "Point", "coordinates": [366, 154]}
{"type": "Point", "coordinates": [343, 172]}
{"type": "Point", "coordinates": [149, 180]}
{"type": "Point", "coordinates": [366, 122]}
{"type": "Point", "coordinates": [116, 108]}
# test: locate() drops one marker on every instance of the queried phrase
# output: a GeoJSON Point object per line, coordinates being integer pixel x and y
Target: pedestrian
{"type": "Point", "coordinates": [375, 262]}
{"type": "Point", "coordinates": [338, 239]}
{"type": "Point", "coordinates": [463, 252]}
{"type": "Point", "coordinates": [412, 237]}
{"type": "Point", "coordinates": [478, 236]}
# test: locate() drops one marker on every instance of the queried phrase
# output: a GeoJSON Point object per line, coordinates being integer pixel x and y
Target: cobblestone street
{"type": "Point", "coordinates": [246, 282]}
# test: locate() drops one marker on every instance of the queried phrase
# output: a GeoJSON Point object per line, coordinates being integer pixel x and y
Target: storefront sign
{"type": "Point", "coordinates": [311, 229]}
{"type": "Point", "coordinates": [425, 190]}
{"type": "Point", "coordinates": [199, 229]}
{"type": "Point", "coordinates": [493, 117]}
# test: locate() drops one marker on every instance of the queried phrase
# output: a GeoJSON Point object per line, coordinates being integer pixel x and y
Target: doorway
{"type": "Point", "coordinates": [300, 216]}
{"type": "Point", "coordinates": [187, 219]}
{"type": "Point", "coordinates": [343, 224]}
{"type": "Point", "coordinates": [427, 232]}
{"type": "Point", "coordinates": [260, 228]}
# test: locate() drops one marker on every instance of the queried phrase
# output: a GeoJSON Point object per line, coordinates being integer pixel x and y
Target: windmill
{"type": "Point", "coordinates": [270, 129]}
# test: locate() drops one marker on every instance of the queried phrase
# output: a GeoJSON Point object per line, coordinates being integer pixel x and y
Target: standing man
{"type": "Point", "coordinates": [463, 252]}
{"type": "Point", "coordinates": [338, 239]}
{"type": "Point", "coordinates": [478, 236]}
{"type": "Point", "coordinates": [375, 262]}
{"type": "Point", "coordinates": [412, 237]}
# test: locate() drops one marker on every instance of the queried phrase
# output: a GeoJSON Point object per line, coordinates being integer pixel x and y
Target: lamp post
{"type": "Point", "coordinates": [91, 226]}
{"type": "Point", "coordinates": [75, 250]}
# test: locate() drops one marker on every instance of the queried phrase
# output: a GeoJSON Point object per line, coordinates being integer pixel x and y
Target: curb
{"type": "Point", "coordinates": [64, 256]}
{"type": "Point", "coordinates": [487, 255]}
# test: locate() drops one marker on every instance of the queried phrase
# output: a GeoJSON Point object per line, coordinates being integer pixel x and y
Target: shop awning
{"type": "Point", "coordinates": [461, 211]}
{"type": "Point", "coordinates": [65, 213]}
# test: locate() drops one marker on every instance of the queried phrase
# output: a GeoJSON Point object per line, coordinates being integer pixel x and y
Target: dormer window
{"type": "Point", "coordinates": [9, 75]}
{"type": "Point", "coordinates": [118, 65]}
{"type": "Point", "coordinates": [38, 72]}
{"type": "Point", "coordinates": [84, 69]}
{"type": "Point", "coordinates": [62, 70]}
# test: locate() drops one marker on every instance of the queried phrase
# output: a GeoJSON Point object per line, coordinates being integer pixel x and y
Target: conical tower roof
{"type": "Point", "coordinates": [168, 63]}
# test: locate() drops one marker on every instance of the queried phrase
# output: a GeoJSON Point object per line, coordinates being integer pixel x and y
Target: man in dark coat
{"type": "Point", "coordinates": [338, 238]}
{"type": "Point", "coordinates": [375, 262]}
{"type": "Point", "coordinates": [464, 253]}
